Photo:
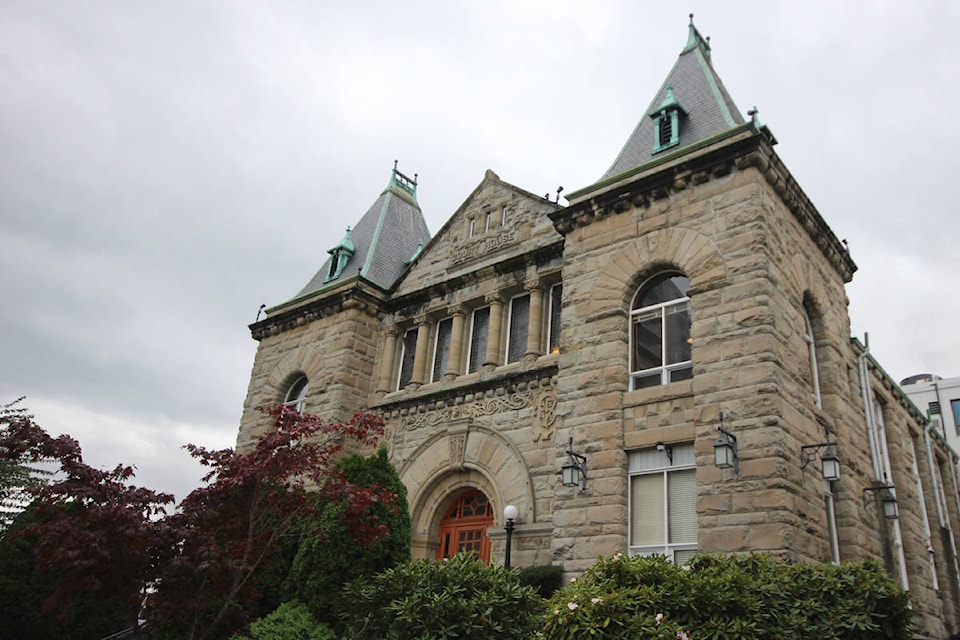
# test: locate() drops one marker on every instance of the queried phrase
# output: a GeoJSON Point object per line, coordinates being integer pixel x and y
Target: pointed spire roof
{"type": "Point", "coordinates": [694, 89]}
{"type": "Point", "coordinates": [379, 247]}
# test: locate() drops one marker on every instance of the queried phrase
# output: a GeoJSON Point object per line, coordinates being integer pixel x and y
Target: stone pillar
{"type": "Point", "coordinates": [535, 330]}
{"type": "Point", "coordinates": [420, 357]}
{"type": "Point", "coordinates": [388, 362]}
{"type": "Point", "coordinates": [494, 348]}
{"type": "Point", "coordinates": [455, 365]}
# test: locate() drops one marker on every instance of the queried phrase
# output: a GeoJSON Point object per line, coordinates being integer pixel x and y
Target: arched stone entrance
{"type": "Point", "coordinates": [464, 527]}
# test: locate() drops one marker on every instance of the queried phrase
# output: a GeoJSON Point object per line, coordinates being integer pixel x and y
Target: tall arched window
{"type": "Point", "coordinates": [296, 397]}
{"type": "Point", "coordinates": [814, 365]}
{"type": "Point", "coordinates": [660, 342]}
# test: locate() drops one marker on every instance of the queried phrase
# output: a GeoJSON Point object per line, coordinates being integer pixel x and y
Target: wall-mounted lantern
{"type": "Point", "coordinates": [828, 459]}
{"type": "Point", "coordinates": [725, 451]}
{"type": "Point", "coordinates": [574, 470]}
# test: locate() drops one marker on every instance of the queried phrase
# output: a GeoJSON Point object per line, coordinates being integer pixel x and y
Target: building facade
{"type": "Point", "coordinates": [940, 398]}
{"type": "Point", "coordinates": [693, 296]}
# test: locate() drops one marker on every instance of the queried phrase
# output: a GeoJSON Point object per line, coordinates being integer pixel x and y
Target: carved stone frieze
{"type": "Point", "coordinates": [544, 404]}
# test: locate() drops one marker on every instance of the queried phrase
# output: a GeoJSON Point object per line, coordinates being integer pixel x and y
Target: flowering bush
{"type": "Point", "coordinates": [729, 598]}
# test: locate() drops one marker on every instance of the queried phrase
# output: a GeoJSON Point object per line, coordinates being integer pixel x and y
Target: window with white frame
{"type": "Point", "coordinates": [296, 396]}
{"type": "Point", "coordinates": [814, 365]}
{"type": "Point", "coordinates": [518, 327]}
{"type": "Point", "coordinates": [553, 330]}
{"type": "Point", "coordinates": [660, 342]}
{"type": "Point", "coordinates": [479, 330]}
{"type": "Point", "coordinates": [408, 352]}
{"type": "Point", "coordinates": [441, 351]}
{"type": "Point", "coordinates": [663, 502]}
{"type": "Point", "coordinates": [504, 215]}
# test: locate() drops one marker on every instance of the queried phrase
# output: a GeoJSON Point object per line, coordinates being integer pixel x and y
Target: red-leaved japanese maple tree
{"type": "Point", "coordinates": [100, 534]}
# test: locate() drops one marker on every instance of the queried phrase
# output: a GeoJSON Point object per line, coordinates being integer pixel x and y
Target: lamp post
{"type": "Point", "coordinates": [509, 514]}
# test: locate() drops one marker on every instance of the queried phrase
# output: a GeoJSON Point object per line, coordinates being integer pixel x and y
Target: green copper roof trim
{"type": "Point", "coordinates": [416, 254]}
{"type": "Point", "coordinates": [346, 244]}
{"type": "Point", "coordinates": [376, 233]}
{"type": "Point", "coordinates": [712, 81]}
{"type": "Point", "coordinates": [747, 126]}
{"type": "Point", "coordinates": [669, 102]}
{"type": "Point", "coordinates": [695, 40]}
{"type": "Point", "coordinates": [402, 182]}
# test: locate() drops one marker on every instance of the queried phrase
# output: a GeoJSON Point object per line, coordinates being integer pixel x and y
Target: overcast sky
{"type": "Point", "coordinates": [166, 167]}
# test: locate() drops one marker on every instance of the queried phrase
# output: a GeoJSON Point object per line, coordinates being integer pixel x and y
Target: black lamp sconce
{"type": "Point", "coordinates": [891, 510]}
{"type": "Point", "coordinates": [725, 451]}
{"type": "Point", "coordinates": [667, 449]}
{"type": "Point", "coordinates": [829, 459]}
{"type": "Point", "coordinates": [574, 470]}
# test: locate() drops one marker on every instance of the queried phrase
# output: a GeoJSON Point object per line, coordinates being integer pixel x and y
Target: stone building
{"type": "Point", "coordinates": [693, 287]}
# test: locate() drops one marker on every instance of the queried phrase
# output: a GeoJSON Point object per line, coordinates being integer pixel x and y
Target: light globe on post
{"type": "Point", "coordinates": [509, 515]}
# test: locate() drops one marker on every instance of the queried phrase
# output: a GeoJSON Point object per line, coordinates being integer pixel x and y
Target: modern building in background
{"type": "Point", "coordinates": [940, 399]}
{"type": "Point", "coordinates": [662, 365]}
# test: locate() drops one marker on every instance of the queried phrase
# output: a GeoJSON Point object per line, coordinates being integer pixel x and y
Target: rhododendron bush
{"type": "Point", "coordinates": [729, 598]}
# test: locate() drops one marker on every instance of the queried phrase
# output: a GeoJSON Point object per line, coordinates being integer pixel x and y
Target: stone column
{"type": "Point", "coordinates": [535, 330]}
{"type": "Point", "coordinates": [455, 365]}
{"type": "Point", "coordinates": [387, 362]}
{"type": "Point", "coordinates": [494, 356]}
{"type": "Point", "coordinates": [420, 357]}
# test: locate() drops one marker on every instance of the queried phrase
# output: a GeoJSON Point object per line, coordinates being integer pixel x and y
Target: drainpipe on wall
{"type": "Point", "coordinates": [940, 496]}
{"type": "Point", "coordinates": [928, 535]}
{"type": "Point", "coordinates": [878, 451]}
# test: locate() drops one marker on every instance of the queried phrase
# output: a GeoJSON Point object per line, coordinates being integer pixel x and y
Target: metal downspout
{"type": "Point", "coordinates": [940, 496]}
{"type": "Point", "coordinates": [879, 466]}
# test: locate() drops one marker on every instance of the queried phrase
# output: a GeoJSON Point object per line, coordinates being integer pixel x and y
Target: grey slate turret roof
{"type": "Point", "coordinates": [708, 108]}
{"type": "Point", "coordinates": [384, 241]}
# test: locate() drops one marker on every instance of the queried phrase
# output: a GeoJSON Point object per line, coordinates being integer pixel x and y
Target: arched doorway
{"type": "Point", "coordinates": [464, 527]}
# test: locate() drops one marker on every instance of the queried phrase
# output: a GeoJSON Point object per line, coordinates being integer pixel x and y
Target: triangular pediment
{"type": "Point", "coordinates": [497, 222]}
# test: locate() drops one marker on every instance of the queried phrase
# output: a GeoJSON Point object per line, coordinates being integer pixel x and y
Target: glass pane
{"type": "Point", "coordinates": [677, 325]}
{"type": "Point", "coordinates": [682, 491]}
{"type": "Point", "coordinates": [684, 373]}
{"type": "Point", "coordinates": [682, 556]}
{"type": "Point", "coordinates": [478, 339]}
{"type": "Point", "coordinates": [649, 380]}
{"type": "Point", "coordinates": [519, 326]}
{"type": "Point", "coordinates": [662, 289]}
{"type": "Point", "coordinates": [556, 294]}
{"type": "Point", "coordinates": [646, 510]}
{"type": "Point", "coordinates": [647, 341]}
{"type": "Point", "coordinates": [955, 405]}
{"type": "Point", "coordinates": [441, 358]}
{"type": "Point", "coordinates": [406, 361]}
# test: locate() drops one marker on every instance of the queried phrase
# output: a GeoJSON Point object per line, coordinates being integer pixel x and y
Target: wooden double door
{"type": "Point", "coordinates": [464, 528]}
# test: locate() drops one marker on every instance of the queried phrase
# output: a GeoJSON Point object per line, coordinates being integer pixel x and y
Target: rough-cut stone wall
{"type": "Point", "coordinates": [336, 352]}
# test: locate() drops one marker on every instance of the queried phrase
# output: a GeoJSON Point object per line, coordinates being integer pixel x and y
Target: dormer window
{"type": "Point", "coordinates": [339, 257]}
{"type": "Point", "coordinates": [666, 122]}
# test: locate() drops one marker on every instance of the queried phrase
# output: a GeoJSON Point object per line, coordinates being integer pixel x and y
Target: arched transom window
{"type": "Point", "coordinates": [660, 342]}
{"type": "Point", "coordinates": [296, 396]}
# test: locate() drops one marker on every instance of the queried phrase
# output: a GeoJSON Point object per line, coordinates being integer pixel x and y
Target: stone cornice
{"type": "Point", "coordinates": [365, 298]}
{"type": "Point", "coordinates": [739, 149]}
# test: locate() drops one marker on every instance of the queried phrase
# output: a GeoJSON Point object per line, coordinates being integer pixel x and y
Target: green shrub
{"type": "Point", "coordinates": [329, 558]}
{"type": "Point", "coordinates": [546, 579]}
{"type": "Point", "coordinates": [459, 598]}
{"type": "Point", "coordinates": [734, 597]}
{"type": "Point", "coordinates": [291, 621]}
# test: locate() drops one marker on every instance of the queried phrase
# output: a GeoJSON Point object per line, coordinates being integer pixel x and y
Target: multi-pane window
{"type": "Point", "coordinates": [814, 366]}
{"type": "Point", "coordinates": [663, 502]}
{"type": "Point", "coordinates": [409, 350]}
{"type": "Point", "coordinates": [441, 352]}
{"type": "Point", "coordinates": [479, 329]}
{"type": "Point", "coordinates": [660, 342]}
{"type": "Point", "coordinates": [296, 396]}
{"type": "Point", "coordinates": [519, 326]}
{"type": "Point", "coordinates": [553, 331]}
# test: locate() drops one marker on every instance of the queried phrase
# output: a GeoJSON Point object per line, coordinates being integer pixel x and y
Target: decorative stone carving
{"type": "Point", "coordinates": [458, 447]}
{"type": "Point", "coordinates": [505, 238]}
{"type": "Point", "coordinates": [544, 404]}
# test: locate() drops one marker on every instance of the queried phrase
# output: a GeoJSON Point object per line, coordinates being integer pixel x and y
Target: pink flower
{"type": "Point", "coordinates": [573, 606]}
{"type": "Point", "coordinates": [658, 618]}
{"type": "Point", "coordinates": [556, 612]}
{"type": "Point", "coordinates": [596, 600]}
{"type": "Point", "coordinates": [682, 635]}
